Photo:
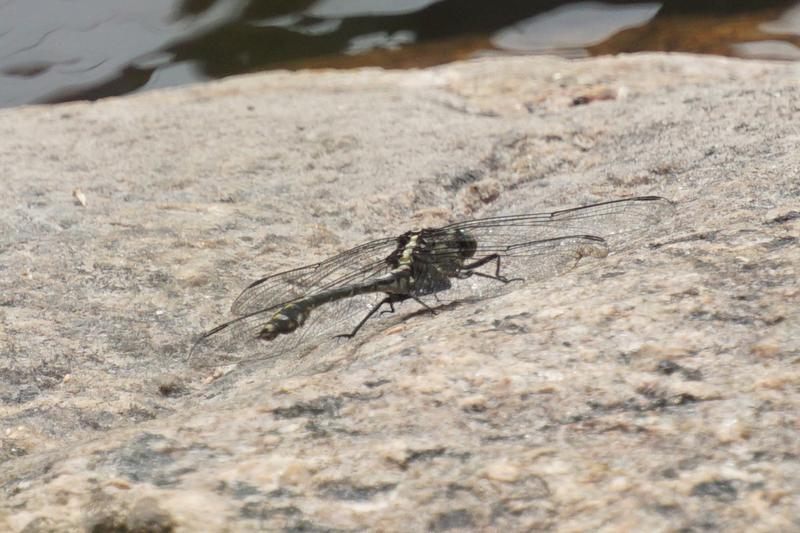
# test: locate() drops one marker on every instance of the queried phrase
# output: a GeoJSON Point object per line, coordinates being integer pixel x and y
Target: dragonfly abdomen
{"type": "Point", "coordinates": [293, 315]}
{"type": "Point", "coordinates": [289, 318]}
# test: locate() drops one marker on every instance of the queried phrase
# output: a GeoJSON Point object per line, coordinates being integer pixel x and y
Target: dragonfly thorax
{"type": "Point", "coordinates": [442, 252]}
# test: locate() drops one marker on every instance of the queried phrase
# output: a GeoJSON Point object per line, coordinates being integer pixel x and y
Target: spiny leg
{"type": "Point", "coordinates": [391, 299]}
{"type": "Point", "coordinates": [480, 262]}
{"type": "Point", "coordinates": [423, 304]}
{"type": "Point", "coordinates": [391, 308]}
{"type": "Point", "coordinates": [403, 297]}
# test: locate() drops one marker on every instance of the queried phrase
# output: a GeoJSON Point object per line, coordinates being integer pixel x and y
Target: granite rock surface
{"type": "Point", "coordinates": [656, 389]}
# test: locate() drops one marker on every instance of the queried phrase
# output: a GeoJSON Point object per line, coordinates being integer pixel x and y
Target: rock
{"type": "Point", "coordinates": [653, 388]}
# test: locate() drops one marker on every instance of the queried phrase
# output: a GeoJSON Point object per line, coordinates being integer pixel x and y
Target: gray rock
{"type": "Point", "coordinates": [655, 389]}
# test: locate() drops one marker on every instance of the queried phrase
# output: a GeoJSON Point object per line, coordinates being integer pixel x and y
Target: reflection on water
{"type": "Point", "coordinates": [53, 50]}
{"type": "Point", "coordinates": [50, 46]}
{"type": "Point", "coordinates": [570, 29]}
{"type": "Point", "coordinates": [365, 8]}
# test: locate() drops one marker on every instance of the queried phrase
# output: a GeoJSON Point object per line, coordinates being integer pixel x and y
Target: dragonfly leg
{"type": "Point", "coordinates": [390, 300]}
{"type": "Point", "coordinates": [423, 304]}
{"type": "Point", "coordinates": [469, 270]}
{"type": "Point", "coordinates": [400, 298]}
{"type": "Point", "coordinates": [391, 308]}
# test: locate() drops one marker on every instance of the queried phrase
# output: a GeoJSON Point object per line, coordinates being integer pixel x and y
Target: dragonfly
{"type": "Point", "coordinates": [308, 306]}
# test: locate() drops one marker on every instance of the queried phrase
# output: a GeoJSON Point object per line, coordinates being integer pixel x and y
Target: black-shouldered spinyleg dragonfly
{"type": "Point", "coordinates": [308, 305]}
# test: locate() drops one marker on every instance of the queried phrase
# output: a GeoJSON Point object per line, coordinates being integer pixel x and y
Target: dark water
{"type": "Point", "coordinates": [57, 50]}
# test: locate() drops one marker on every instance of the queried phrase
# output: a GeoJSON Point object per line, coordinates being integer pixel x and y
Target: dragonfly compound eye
{"type": "Point", "coordinates": [467, 245]}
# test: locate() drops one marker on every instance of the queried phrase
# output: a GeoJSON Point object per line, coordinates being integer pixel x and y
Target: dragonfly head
{"type": "Point", "coordinates": [467, 245]}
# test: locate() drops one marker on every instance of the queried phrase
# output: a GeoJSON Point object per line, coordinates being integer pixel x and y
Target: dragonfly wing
{"type": "Point", "coordinates": [349, 267]}
{"type": "Point", "coordinates": [237, 340]}
{"type": "Point", "coordinates": [620, 222]}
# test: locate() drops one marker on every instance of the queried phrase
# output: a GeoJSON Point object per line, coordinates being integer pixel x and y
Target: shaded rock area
{"type": "Point", "coordinates": [656, 389]}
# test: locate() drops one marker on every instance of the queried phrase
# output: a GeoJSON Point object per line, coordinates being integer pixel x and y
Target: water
{"type": "Point", "coordinates": [57, 50]}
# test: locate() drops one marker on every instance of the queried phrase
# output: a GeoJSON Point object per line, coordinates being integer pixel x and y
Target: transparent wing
{"type": "Point", "coordinates": [350, 267]}
{"type": "Point", "coordinates": [620, 222]}
{"type": "Point", "coordinates": [237, 340]}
